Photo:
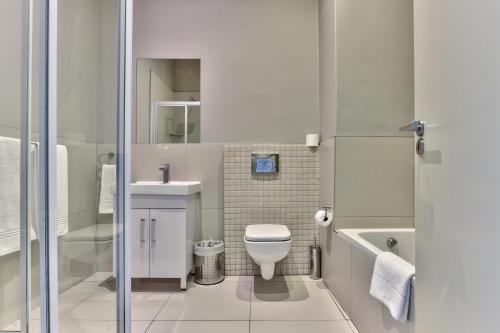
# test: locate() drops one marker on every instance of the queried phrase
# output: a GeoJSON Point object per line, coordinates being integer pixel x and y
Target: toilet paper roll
{"type": "Point", "coordinates": [312, 140]}
{"type": "Point", "coordinates": [323, 218]}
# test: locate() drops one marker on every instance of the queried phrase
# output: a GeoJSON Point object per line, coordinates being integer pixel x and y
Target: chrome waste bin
{"type": "Point", "coordinates": [209, 261]}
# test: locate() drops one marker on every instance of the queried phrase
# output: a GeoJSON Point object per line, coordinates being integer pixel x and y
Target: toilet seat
{"type": "Point", "coordinates": [267, 233]}
{"type": "Point", "coordinates": [267, 244]}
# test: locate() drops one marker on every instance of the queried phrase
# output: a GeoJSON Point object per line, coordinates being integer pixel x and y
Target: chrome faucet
{"type": "Point", "coordinates": [166, 173]}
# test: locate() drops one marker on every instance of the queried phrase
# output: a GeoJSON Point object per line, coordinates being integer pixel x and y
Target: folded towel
{"type": "Point", "coordinates": [10, 195]}
{"type": "Point", "coordinates": [108, 176]}
{"type": "Point", "coordinates": [391, 284]}
{"type": "Point", "coordinates": [62, 190]}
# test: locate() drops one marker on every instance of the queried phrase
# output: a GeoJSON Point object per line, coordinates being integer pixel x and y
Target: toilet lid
{"type": "Point", "coordinates": [267, 233]}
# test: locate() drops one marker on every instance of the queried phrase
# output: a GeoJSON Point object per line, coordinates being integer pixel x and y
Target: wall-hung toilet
{"type": "Point", "coordinates": [267, 244]}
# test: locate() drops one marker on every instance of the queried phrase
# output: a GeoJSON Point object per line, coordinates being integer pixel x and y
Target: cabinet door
{"type": "Point", "coordinates": [168, 241]}
{"type": "Point", "coordinates": [140, 243]}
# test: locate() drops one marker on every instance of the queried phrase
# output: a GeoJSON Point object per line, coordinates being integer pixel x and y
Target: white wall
{"type": "Point", "coordinates": [457, 80]}
{"type": "Point", "coordinates": [259, 62]}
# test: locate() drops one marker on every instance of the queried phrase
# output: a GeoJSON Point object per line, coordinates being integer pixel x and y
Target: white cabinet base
{"type": "Point", "coordinates": [163, 231]}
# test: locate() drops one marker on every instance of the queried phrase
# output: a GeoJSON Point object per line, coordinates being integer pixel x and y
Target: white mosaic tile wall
{"type": "Point", "coordinates": [290, 197]}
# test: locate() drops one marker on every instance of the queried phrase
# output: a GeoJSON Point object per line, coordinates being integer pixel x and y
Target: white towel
{"type": "Point", "coordinates": [108, 176]}
{"type": "Point", "coordinates": [391, 284]}
{"type": "Point", "coordinates": [10, 195]}
{"type": "Point", "coordinates": [62, 190]}
{"type": "Point", "coordinates": [10, 198]}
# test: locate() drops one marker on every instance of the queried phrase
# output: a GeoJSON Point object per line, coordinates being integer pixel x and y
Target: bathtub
{"type": "Point", "coordinates": [354, 252]}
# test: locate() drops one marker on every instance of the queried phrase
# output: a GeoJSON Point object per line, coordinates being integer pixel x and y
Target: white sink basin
{"type": "Point", "coordinates": [171, 188]}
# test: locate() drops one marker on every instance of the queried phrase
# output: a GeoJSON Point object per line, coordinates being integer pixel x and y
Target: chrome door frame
{"type": "Point", "coordinates": [123, 168]}
{"type": "Point", "coordinates": [25, 163]}
{"type": "Point", "coordinates": [48, 167]}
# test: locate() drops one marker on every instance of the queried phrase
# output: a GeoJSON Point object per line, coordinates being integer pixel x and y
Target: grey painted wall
{"type": "Point", "coordinates": [327, 73]}
{"type": "Point", "coordinates": [366, 94]}
{"type": "Point", "coordinates": [374, 49]}
{"type": "Point", "coordinates": [259, 63]}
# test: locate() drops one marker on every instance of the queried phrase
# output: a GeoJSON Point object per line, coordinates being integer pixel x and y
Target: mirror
{"type": "Point", "coordinates": [168, 101]}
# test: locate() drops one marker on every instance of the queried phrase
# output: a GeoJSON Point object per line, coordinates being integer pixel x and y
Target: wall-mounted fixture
{"type": "Point", "coordinates": [265, 163]}
{"type": "Point", "coordinates": [312, 140]}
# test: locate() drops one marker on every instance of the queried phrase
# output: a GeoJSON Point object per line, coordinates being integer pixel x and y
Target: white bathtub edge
{"type": "Point", "coordinates": [352, 237]}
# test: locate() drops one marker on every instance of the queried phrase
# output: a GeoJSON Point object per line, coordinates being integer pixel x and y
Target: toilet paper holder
{"type": "Point", "coordinates": [326, 208]}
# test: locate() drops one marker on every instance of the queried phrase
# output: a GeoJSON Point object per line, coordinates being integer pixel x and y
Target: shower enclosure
{"type": "Point", "coordinates": [64, 164]}
{"type": "Point", "coordinates": [156, 109]}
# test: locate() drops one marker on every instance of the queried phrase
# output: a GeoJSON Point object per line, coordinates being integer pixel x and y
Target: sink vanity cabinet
{"type": "Point", "coordinates": [164, 223]}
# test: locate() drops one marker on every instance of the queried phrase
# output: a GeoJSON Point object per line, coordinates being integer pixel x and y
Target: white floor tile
{"type": "Point", "coordinates": [224, 301]}
{"type": "Point", "coordinates": [352, 326]}
{"type": "Point", "coordinates": [107, 294]}
{"type": "Point", "coordinates": [293, 300]}
{"type": "Point", "coordinates": [339, 326]}
{"type": "Point", "coordinates": [344, 314]}
{"type": "Point", "coordinates": [198, 326]}
{"type": "Point", "coordinates": [106, 310]}
{"type": "Point", "coordinates": [99, 277]}
{"type": "Point", "coordinates": [140, 326]}
{"type": "Point", "coordinates": [73, 296]}
{"type": "Point", "coordinates": [15, 326]}
{"type": "Point", "coordinates": [86, 326]}
{"type": "Point", "coordinates": [242, 278]}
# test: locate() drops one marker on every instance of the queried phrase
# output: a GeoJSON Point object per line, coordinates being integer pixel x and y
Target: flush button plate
{"type": "Point", "coordinates": [265, 164]}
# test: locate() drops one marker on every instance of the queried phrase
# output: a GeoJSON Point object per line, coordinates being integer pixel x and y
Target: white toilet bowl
{"type": "Point", "coordinates": [267, 244]}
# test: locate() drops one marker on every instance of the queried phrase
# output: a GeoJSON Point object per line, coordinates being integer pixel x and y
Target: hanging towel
{"type": "Point", "coordinates": [391, 284]}
{"type": "Point", "coordinates": [10, 198]}
{"type": "Point", "coordinates": [10, 195]}
{"type": "Point", "coordinates": [62, 190]}
{"type": "Point", "coordinates": [108, 176]}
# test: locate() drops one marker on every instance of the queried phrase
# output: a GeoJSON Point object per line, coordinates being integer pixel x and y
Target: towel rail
{"type": "Point", "coordinates": [104, 158]}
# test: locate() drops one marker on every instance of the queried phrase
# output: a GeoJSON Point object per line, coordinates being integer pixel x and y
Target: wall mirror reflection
{"type": "Point", "coordinates": [168, 101]}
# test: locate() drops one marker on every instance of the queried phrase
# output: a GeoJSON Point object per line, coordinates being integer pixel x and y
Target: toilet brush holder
{"type": "Point", "coordinates": [315, 261]}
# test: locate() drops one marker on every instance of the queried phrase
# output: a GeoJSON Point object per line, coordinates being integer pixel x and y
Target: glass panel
{"type": "Point", "coordinates": [86, 126]}
{"type": "Point", "coordinates": [193, 129]}
{"type": "Point", "coordinates": [10, 119]}
{"type": "Point", "coordinates": [170, 125]}
{"type": "Point", "coordinates": [15, 147]}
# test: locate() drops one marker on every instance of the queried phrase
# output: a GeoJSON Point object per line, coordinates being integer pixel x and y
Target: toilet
{"type": "Point", "coordinates": [267, 244]}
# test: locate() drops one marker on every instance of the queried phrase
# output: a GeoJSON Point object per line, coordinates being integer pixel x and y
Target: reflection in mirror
{"type": "Point", "coordinates": [168, 101]}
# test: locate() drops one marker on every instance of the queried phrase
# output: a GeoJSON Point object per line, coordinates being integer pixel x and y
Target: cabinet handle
{"type": "Point", "coordinates": [153, 230]}
{"type": "Point", "coordinates": [143, 225]}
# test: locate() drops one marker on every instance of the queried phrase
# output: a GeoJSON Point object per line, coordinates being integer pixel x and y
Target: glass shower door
{"type": "Point", "coordinates": [18, 239]}
{"type": "Point", "coordinates": [64, 157]}
{"type": "Point", "coordinates": [88, 226]}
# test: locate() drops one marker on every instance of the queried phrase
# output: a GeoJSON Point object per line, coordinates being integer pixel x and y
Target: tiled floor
{"type": "Point", "coordinates": [238, 304]}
